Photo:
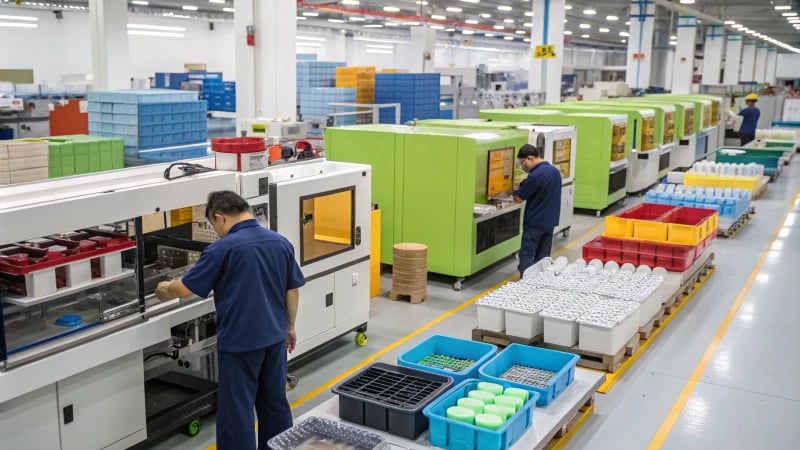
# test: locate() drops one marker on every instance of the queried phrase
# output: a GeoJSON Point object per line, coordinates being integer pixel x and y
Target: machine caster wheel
{"type": "Point", "coordinates": [361, 339]}
{"type": "Point", "coordinates": [565, 233]}
{"type": "Point", "coordinates": [457, 285]}
{"type": "Point", "coordinates": [291, 382]}
{"type": "Point", "coordinates": [192, 428]}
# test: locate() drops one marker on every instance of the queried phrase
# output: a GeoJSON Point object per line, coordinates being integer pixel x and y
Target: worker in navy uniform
{"type": "Point", "coordinates": [541, 192]}
{"type": "Point", "coordinates": [750, 114]}
{"type": "Point", "coordinates": [255, 279]}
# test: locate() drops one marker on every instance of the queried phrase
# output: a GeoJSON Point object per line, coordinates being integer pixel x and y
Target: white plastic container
{"type": "Point", "coordinates": [40, 283]}
{"type": "Point", "coordinates": [491, 318]}
{"type": "Point", "coordinates": [239, 154]}
{"type": "Point", "coordinates": [79, 272]}
{"type": "Point", "coordinates": [523, 324]}
{"type": "Point", "coordinates": [559, 331]}
{"type": "Point", "coordinates": [602, 339]}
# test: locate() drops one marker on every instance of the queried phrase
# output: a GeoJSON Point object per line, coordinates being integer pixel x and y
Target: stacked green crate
{"type": "Point", "coordinates": [81, 154]}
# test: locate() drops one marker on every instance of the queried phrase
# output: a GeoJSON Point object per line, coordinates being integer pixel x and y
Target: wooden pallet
{"type": "Point", "coordinates": [502, 339]}
{"type": "Point", "coordinates": [688, 286]}
{"type": "Point", "coordinates": [760, 191]}
{"type": "Point", "coordinates": [414, 298]}
{"type": "Point", "coordinates": [599, 361]}
{"type": "Point", "coordinates": [732, 230]}
{"type": "Point", "coordinates": [646, 331]}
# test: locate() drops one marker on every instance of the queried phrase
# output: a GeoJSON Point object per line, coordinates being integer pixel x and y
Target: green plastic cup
{"type": "Point", "coordinates": [493, 388]}
{"type": "Point", "coordinates": [488, 421]}
{"type": "Point", "coordinates": [471, 403]}
{"type": "Point", "coordinates": [504, 412]}
{"type": "Point", "coordinates": [521, 394]}
{"type": "Point", "coordinates": [461, 414]}
{"type": "Point", "coordinates": [483, 396]}
{"type": "Point", "coordinates": [509, 401]}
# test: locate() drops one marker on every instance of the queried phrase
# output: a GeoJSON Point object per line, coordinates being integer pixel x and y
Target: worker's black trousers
{"type": "Point", "coordinates": [536, 245]}
{"type": "Point", "coordinates": [247, 379]}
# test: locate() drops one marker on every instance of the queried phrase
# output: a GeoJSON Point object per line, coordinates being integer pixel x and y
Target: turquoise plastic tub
{"type": "Point", "coordinates": [480, 352]}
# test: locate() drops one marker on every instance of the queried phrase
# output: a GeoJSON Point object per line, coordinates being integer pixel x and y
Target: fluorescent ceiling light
{"type": "Point", "coordinates": [628, 22]}
{"type": "Point", "coordinates": [612, 18]}
{"type": "Point", "coordinates": [453, 9]}
{"type": "Point", "coordinates": [391, 9]}
{"type": "Point", "coordinates": [467, 32]}
{"type": "Point", "coordinates": [504, 8]}
{"type": "Point", "coordinates": [568, 33]}
{"type": "Point", "coordinates": [794, 21]}
{"type": "Point", "coordinates": [672, 38]}
{"type": "Point", "coordinates": [382, 52]}
{"type": "Point", "coordinates": [153, 33]}
{"type": "Point", "coordinates": [471, 1]}
{"type": "Point", "coordinates": [527, 25]}
{"type": "Point", "coordinates": [738, 25]}
{"type": "Point", "coordinates": [379, 41]}
{"type": "Point", "coordinates": [335, 20]}
{"type": "Point", "coordinates": [567, 7]}
{"type": "Point", "coordinates": [486, 15]}
{"type": "Point", "coordinates": [751, 31]}
{"type": "Point", "coordinates": [423, 3]}
{"type": "Point", "coordinates": [357, 19]}
{"type": "Point", "coordinates": [529, 13]}
{"type": "Point", "coordinates": [565, 20]}
{"type": "Point", "coordinates": [189, 7]}
{"type": "Point", "coordinates": [310, 38]}
{"type": "Point", "coordinates": [624, 34]}
{"type": "Point", "coordinates": [585, 36]}
{"type": "Point", "coordinates": [526, 40]}
{"type": "Point", "coordinates": [392, 24]}
{"type": "Point", "coordinates": [311, 14]}
{"type": "Point", "coordinates": [136, 26]}
{"type": "Point", "coordinates": [140, 2]}
{"type": "Point", "coordinates": [18, 25]}
{"type": "Point", "coordinates": [509, 38]}
{"type": "Point", "coordinates": [450, 30]}
{"type": "Point", "coordinates": [308, 44]}
{"type": "Point", "coordinates": [520, 32]}
{"type": "Point", "coordinates": [350, 2]}
{"type": "Point", "coordinates": [373, 25]}
{"type": "Point", "coordinates": [782, 7]}
{"type": "Point", "coordinates": [687, 2]}
{"type": "Point", "coordinates": [623, 40]}
{"type": "Point", "coordinates": [508, 20]}
{"type": "Point", "coordinates": [673, 43]}
{"type": "Point", "coordinates": [437, 27]}
{"type": "Point", "coordinates": [489, 34]}
{"type": "Point", "coordinates": [603, 30]}
{"type": "Point", "coordinates": [217, 1]}
{"type": "Point", "coordinates": [789, 14]}
{"type": "Point", "coordinates": [411, 24]}
{"type": "Point", "coordinates": [22, 18]}
{"type": "Point", "coordinates": [499, 27]}
{"type": "Point", "coordinates": [301, 18]}
{"type": "Point", "coordinates": [730, 22]}
{"type": "Point", "coordinates": [230, 10]}
{"type": "Point", "coordinates": [589, 12]}
{"type": "Point", "coordinates": [471, 21]}
{"type": "Point", "coordinates": [388, 47]}
{"type": "Point", "coordinates": [438, 17]}
{"type": "Point", "coordinates": [585, 26]}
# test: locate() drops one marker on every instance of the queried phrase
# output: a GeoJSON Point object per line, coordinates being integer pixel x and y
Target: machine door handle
{"type": "Point", "coordinates": [69, 415]}
{"type": "Point", "coordinates": [358, 235]}
{"type": "Point", "coordinates": [329, 300]}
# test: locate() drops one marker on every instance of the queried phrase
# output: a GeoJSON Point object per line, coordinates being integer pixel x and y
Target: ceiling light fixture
{"type": "Point", "coordinates": [335, 20]}
{"type": "Point", "coordinates": [589, 12]}
{"type": "Point", "coordinates": [437, 27]}
{"type": "Point", "coordinates": [672, 38]}
{"type": "Point", "coordinates": [789, 14]}
{"type": "Point", "coordinates": [230, 10]}
{"type": "Point", "coordinates": [504, 8]}
{"type": "Point", "coordinates": [687, 2]}
{"type": "Point", "coordinates": [520, 32]}
{"type": "Point", "coordinates": [150, 33]}
{"type": "Point", "coordinates": [189, 7]}
{"type": "Point", "coordinates": [22, 18]}
{"type": "Point", "coordinates": [311, 14]}
{"type": "Point", "coordinates": [136, 26]}
{"type": "Point", "coordinates": [623, 40]}
{"type": "Point", "coordinates": [486, 15]}
{"type": "Point", "coordinates": [585, 36]}
{"type": "Point", "coordinates": [509, 38]}
{"type": "Point", "coordinates": [471, 21]}
{"type": "Point", "coordinates": [453, 9]}
{"type": "Point", "coordinates": [391, 9]}
{"type": "Point", "coordinates": [567, 32]}
{"type": "Point", "coordinates": [217, 1]}
{"type": "Point", "coordinates": [392, 24]}
{"type": "Point", "coordinates": [411, 24]}
{"type": "Point", "coordinates": [499, 27]}
{"type": "Point", "coordinates": [489, 34]}
{"type": "Point", "coordinates": [438, 17]}
{"type": "Point", "coordinates": [350, 2]}
{"type": "Point", "coordinates": [471, 1]}
{"type": "Point", "coordinates": [357, 19]}
{"type": "Point", "coordinates": [140, 2]}
{"type": "Point", "coordinates": [567, 7]}
{"type": "Point", "coordinates": [624, 34]}
{"type": "Point", "coordinates": [508, 20]}
{"type": "Point", "coordinates": [526, 40]}
{"type": "Point", "coordinates": [379, 41]}
{"type": "Point", "coordinates": [373, 25]}
{"type": "Point", "coordinates": [467, 32]}
{"type": "Point", "coordinates": [673, 43]}
{"type": "Point", "coordinates": [730, 22]}
{"type": "Point", "coordinates": [310, 38]}
{"type": "Point", "coordinates": [529, 13]}
{"type": "Point", "coordinates": [585, 26]}
{"type": "Point", "coordinates": [382, 52]}
{"type": "Point", "coordinates": [751, 31]}
{"type": "Point", "coordinates": [738, 25]}
{"type": "Point", "coordinates": [301, 18]}
{"type": "Point", "coordinates": [450, 30]}
{"type": "Point", "coordinates": [782, 7]}
{"type": "Point", "coordinates": [527, 24]}
{"type": "Point", "coordinates": [612, 18]}
{"type": "Point", "coordinates": [603, 30]}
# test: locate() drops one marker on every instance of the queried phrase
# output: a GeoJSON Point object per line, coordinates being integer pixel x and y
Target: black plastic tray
{"type": "Point", "coordinates": [390, 398]}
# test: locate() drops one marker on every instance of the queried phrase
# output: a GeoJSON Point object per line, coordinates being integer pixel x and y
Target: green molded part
{"type": "Point", "coordinates": [426, 181]}
{"type": "Point", "coordinates": [488, 421]}
{"type": "Point", "coordinates": [117, 153]}
{"type": "Point", "coordinates": [461, 414]}
{"type": "Point", "coordinates": [504, 412]}
{"type": "Point", "coordinates": [509, 401]}
{"type": "Point", "coordinates": [486, 397]}
{"type": "Point", "coordinates": [471, 403]}
{"type": "Point", "coordinates": [518, 393]}
{"type": "Point", "coordinates": [493, 388]}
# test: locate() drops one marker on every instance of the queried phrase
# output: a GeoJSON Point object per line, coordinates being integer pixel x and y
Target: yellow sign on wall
{"type": "Point", "coordinates": [544, 52]}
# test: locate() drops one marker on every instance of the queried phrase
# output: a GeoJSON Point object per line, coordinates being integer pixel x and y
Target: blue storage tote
{"type": "Point", "coordinates": [455, 435]}
{"type": "Point", "coordinates": [562, 363]}
{"type": "Point", "coordinates": [480, 352]}
{"type": "Point", "coordinates": [169, 154]}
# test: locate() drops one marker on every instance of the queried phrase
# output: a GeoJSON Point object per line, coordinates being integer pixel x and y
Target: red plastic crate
{"type": "Point", "coordinates": [614, 255]}
{"type": "Point", "coordinates": [647, 260]}
{"type": "Point", "coordinates": [594, 249]}
{"type": "Point", "coordinates": [630, 257]}
{"type": "Point", "coordinates": [647, 211]}
{"type": "Point", "coordinates": [630, 246]}
{"type": "Point", "coordinates": [647, 248]}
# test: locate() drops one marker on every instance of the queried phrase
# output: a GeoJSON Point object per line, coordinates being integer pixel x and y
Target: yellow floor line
{"type": "Point", "coordinates": [333, 381]}
{"type": "Point", "coordinates": [680, 403]}
{"type": "Point", "coordinates": [612, 378]}
{"type": "Point", "coordinates": [559, 443]}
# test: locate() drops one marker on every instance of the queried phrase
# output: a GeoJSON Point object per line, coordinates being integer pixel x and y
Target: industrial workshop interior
{"type": "Point", "coordinates": [399, 225]}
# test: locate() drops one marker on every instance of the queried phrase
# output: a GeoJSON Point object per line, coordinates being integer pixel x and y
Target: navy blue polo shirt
{"type": "Point", "coordinates": [541, 192]}
{"type": "Point", "coordinates": [750, 116]}
{"type": "Point", "coordinates": [249, 270]}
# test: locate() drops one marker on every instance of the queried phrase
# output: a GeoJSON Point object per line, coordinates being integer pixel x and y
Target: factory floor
{"type": "Point", "coordinates": [725, 373]}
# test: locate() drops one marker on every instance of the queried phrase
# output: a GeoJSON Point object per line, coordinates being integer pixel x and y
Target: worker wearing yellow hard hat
{"type": "Point", "coordinates": [750, 115]}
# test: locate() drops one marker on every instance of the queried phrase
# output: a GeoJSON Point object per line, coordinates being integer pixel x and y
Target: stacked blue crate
{"type": "Point", "coordinates": [315, 90]}
{"type": "Point", "coordinates": [148, 119]}
{"type": "Point", "coordinates": [220, 95]}
{"type": "Point", "coordinates": [417, 94]}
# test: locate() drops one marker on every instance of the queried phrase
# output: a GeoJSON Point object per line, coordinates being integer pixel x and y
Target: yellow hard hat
{"type": "Point", "coordinates": [753, 97]}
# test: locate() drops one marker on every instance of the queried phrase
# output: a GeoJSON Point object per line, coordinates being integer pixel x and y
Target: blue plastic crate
{"type": "Point", "coordinates": [169, 154]}
{"type": "Point", "coordinates": [540, 358]}
{"type": "Point", "coordinates": [455, 435]}
{"type": "Point", "coordinates": [480, 352]}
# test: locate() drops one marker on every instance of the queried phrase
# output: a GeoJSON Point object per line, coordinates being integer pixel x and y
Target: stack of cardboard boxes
{"type": "Point", "coordinates": [23, 161]}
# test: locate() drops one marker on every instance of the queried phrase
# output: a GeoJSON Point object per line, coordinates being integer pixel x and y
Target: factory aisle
{"type": "Point", "coordinates": [748, 391]}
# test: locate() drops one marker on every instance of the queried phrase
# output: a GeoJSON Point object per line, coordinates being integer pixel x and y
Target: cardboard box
{"type": "Point", "coordinates": [24, 149]}
{"type": "Point", "coordinates": [202, 232]}
{"type": "Point", "coordinates": [24, 176]}
{"type": "Point", "coordinates": [199, 213]}
{"type": "Point", "coordinates": [31, 162]}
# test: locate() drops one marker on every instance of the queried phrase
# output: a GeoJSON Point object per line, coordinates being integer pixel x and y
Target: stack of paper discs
{"type": "Point", "coordinates": [410, 272]}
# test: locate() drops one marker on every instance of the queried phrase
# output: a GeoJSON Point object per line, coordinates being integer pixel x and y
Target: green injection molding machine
{"type": "Point", "coordinates": [641, 145]}
{"type": "Point", "coordinates": [685, 131]}
{"type": "Point", "coordinates": [666, 136]}
{"type": "Point", "coordinates": [446, 188]}
{"type": "Point", "coordinates": [706, 136]}
{"type": "Point", "coordinates": [600, 164]}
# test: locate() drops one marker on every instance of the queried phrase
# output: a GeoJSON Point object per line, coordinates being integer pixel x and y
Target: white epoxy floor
{"type": "Point", "coordinates": [747, 397]}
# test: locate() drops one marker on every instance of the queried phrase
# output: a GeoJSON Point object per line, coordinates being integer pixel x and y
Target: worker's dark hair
{"type": "Point", "coordinates": [225, 202]}
{"type": "Point", "coordinates": [528, 150]}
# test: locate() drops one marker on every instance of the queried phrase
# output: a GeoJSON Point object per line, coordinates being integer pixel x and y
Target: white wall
{"type": "Point", "coordinates": [59, 47]}
{"type": "Point", "coordinates": [788, 66]}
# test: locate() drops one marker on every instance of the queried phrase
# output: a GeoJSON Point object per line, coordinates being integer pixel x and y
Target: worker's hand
{"type": "Point", "coordinates": [291, 339]}
{"type": "Point", "coordinates": [162, 291]}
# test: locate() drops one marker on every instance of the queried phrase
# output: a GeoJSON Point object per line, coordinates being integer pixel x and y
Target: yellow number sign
{"type": "Point", "coordinates": [544, 52]}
